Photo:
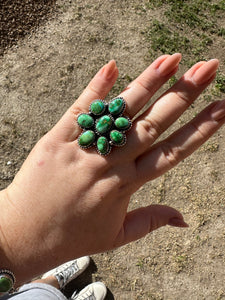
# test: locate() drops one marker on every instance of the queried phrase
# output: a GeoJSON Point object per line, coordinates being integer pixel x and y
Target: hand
{"type": "Point", "coordinates": [66, 202]}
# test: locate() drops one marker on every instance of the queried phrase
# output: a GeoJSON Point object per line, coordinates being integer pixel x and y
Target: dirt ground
{"type": "Point", "coordinates": [43, 69]}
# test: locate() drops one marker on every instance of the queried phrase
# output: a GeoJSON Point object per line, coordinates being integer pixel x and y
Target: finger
{"type": "Point", "coordinates": [168, 153]}
{"type": "Point", "coordinates": [98, 88]}
{"type": "Point", "coordinates": [138, 93]}
{"type": "Point", "coordinates": [143, 220]}
{"type": "Point", "coordinates": [170, 106]}
{"type": "Point", "coordinates": [178, 98]}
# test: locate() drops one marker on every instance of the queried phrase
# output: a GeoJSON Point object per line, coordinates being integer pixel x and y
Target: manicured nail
{"type": "Point", "coordinates": [218, 110]}
{"type": "Point", "coordinates": [206, 71]}
{"type": "Point", "coordinates": [177, 222]}
{"type": "Point", "coordinates": [109, 69]}
{"type": "Point", "coordinates": [169, 64]}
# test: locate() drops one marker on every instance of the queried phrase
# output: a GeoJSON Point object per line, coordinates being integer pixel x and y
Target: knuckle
{"type": "Point", "coordinates": [145, 85]}
{"type": "Point", "coordinates": [184, 97]}
{"type": "Point", "coordinates": [197, 129]}
{"type": "Point", "coordinates": [75, 111]}
{"type": "Point", "coordinates": [94, 90]}
{"type": "Point", "coordinates": [171, 153]}
{"type": "Point", "coordinates": [151, 128]}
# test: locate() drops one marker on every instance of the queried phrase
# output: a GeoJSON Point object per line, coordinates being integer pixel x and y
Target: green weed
{"type": "Point", "coordinates": [220, 82]}
{"type": "Point", "coordinates": [172, 81]}
{"type": "Point", "coordinates": [187, 26]}
{"type": "Point", "coordinates": [165, 40]}
{"type": "Point", "coordinates": [140, 263]}
{"type": "Point", "coordinates": [191, 13]}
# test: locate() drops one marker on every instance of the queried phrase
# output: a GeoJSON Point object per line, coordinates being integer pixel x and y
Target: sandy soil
{"type": "Point", "coordinates": [43, 69]}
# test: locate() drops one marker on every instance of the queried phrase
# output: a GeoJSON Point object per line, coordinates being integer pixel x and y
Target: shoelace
{"type": "Point", "coordinates": [64, 274]}
{"type": "Point", "coordinates": [86, 296]}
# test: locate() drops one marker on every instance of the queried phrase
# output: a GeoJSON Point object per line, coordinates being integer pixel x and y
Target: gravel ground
{"type": "Point", "coordinates": [19, 18]}
{"type": "Point", "coordinates": [49, 52]}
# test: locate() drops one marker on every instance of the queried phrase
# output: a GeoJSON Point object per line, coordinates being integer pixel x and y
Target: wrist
{"type": "Point", "coordinates": [20, 251]}
{"type": "Point", "coordinates": [5, 263]}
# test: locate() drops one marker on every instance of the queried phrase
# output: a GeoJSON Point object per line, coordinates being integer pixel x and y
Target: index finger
{"type": "Point", "coordinates": [66, 129]}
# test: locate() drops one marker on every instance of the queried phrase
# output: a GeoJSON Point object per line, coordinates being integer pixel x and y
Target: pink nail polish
{"type": "Point", "coordinates": [218, 110]}
{"type": "Point", "coordinates": [109, 69]}
{"type": "Point", "coordinates": [205, 71]}
{"type": "Point", "coordinates": [169, 64]}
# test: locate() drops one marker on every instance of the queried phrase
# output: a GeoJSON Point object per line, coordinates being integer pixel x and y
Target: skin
{"type": "Point", "coordinates": [51, 280]}
{"type": "Point", "coordinates": [66, 202]}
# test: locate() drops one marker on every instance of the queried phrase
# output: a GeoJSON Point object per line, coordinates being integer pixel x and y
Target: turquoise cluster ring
{"type": "Point", "coordinates": [104, 126]}
{"type": "Point", "coordinates": [7, 281]}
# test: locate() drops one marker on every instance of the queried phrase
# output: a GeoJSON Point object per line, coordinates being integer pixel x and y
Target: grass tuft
{"type": "Point", "coordinates": [164, 40]}
{"type": "Point", "coordinates": [220, 82]}
{"type": "Point", "coordinates": [188, 26]}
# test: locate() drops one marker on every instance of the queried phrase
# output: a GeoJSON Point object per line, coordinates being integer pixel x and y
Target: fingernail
{"type": "Point", "coordinates": [206, 71]}
{"type": "Point", "coordinates": [218, 110]}
{"type": "Point", "coordinates": [169, 64]}
{"type": "Point", "coordinates": [177, 222]}
{"type": "Point", "coordinates": [109, 69]}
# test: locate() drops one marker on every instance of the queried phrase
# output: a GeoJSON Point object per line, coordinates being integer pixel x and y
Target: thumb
{"type": "Point", "coordinates": [141, 221]}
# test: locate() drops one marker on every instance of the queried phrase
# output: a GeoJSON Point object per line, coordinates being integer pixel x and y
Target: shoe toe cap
{"type": "Point", "coordinates": [83, 262]}
{"type": "Point", "coordinates": [99, 290]}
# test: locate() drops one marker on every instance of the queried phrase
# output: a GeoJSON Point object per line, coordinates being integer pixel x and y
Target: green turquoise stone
{"type": "Point", "coordinates": [116, 106]}
{"type": "Point", "coordinates": [122, 123]}
{"type": "Point", "coordinates": [104, 124]}
{"type": "Point", "coordinates": [5, 284]}
{"type": "Point", "coordinates": [85, 121]}
{"type": "Point", "coordinates": [103, 145]}
{"type": "Point", "coordinates": [117, 137]}
{"type": "Point", "coordinates": [97, 107]}
{"type": "Point", "coordinates": [87, 138]}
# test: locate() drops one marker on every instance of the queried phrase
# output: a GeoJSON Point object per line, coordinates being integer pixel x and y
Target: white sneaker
{"type": "Point", "coordinates": [93, 291]}
{"type": "Point", "coordinates": [68, 271]}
